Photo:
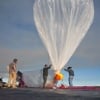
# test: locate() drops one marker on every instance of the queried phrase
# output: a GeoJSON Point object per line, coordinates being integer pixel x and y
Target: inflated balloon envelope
{"type": "Point", "coordinates": [62, 24]}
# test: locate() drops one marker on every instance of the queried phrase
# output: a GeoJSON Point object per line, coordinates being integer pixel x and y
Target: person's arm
{"type": "Point", "coordinates": [49, 66]}
{"type": "Point", "coordinates": [65, 69]}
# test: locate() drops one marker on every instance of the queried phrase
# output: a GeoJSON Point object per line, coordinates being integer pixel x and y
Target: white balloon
{"type": "Point", "coordinates": [62, 24]}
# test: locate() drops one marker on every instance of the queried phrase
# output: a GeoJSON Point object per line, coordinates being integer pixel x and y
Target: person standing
{"type": "Point", "coordinates": [45, 74]}
{"type": "Point", "coordinates": [71, 75]}
{"type": "Point", "coordinates": [1, 82]}
{"type": "Point", "coordinates": [12, 73]}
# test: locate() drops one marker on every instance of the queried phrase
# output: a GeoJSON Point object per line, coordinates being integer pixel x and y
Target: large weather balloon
{"type": "Point", "coordinates": [62, 24]}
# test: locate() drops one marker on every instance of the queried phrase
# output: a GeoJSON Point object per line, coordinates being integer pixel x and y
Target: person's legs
{"type": "Point", "coordinates": [10, 80]}
{"type": "Point", "coordinates": [14, 80]}
{"type": "Point", "coordinates": [44, 81]}
{"type": "Point", "coordinates": [70, 80]}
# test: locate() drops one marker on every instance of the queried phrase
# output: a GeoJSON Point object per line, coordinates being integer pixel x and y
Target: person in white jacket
{"type": "Point", "coordinates": [12, 73]}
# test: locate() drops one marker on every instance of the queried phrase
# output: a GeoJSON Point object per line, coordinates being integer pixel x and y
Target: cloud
{"type": "Point", "coordinates": [16, 24]}
{"type": "Point", "coordinates": [19, 37]}
{"type": "Point", "coordinates": [27, 57]}
{"type": "Point", "coordinates": [88, 50]}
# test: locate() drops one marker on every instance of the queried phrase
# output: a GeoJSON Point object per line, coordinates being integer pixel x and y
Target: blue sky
{"type": "Point", "coordinates": [19, 38]}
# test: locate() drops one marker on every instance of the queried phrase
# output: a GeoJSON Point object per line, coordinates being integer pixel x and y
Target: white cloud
{"type": "Point", "coordinates": [89, 50]}
{"type": "Point", "coordinates": [26, 57]}
{"type": "Point", "coordinates": [18, 36]}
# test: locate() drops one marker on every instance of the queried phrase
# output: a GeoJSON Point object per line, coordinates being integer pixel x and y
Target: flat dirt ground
{"type": "Point", "coordinates": [48, 94]}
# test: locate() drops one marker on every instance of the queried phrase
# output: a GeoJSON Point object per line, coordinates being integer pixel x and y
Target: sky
{"type": "Point", "coordinates": [19, 39]}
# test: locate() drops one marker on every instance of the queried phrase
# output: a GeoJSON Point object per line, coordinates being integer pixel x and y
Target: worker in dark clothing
{"type": "Point", "coordinates": [1, 83]}
{"type": "Point", "coordinates": [71, 75]}
{"type": "Point", "coordinates": [45, 74]}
